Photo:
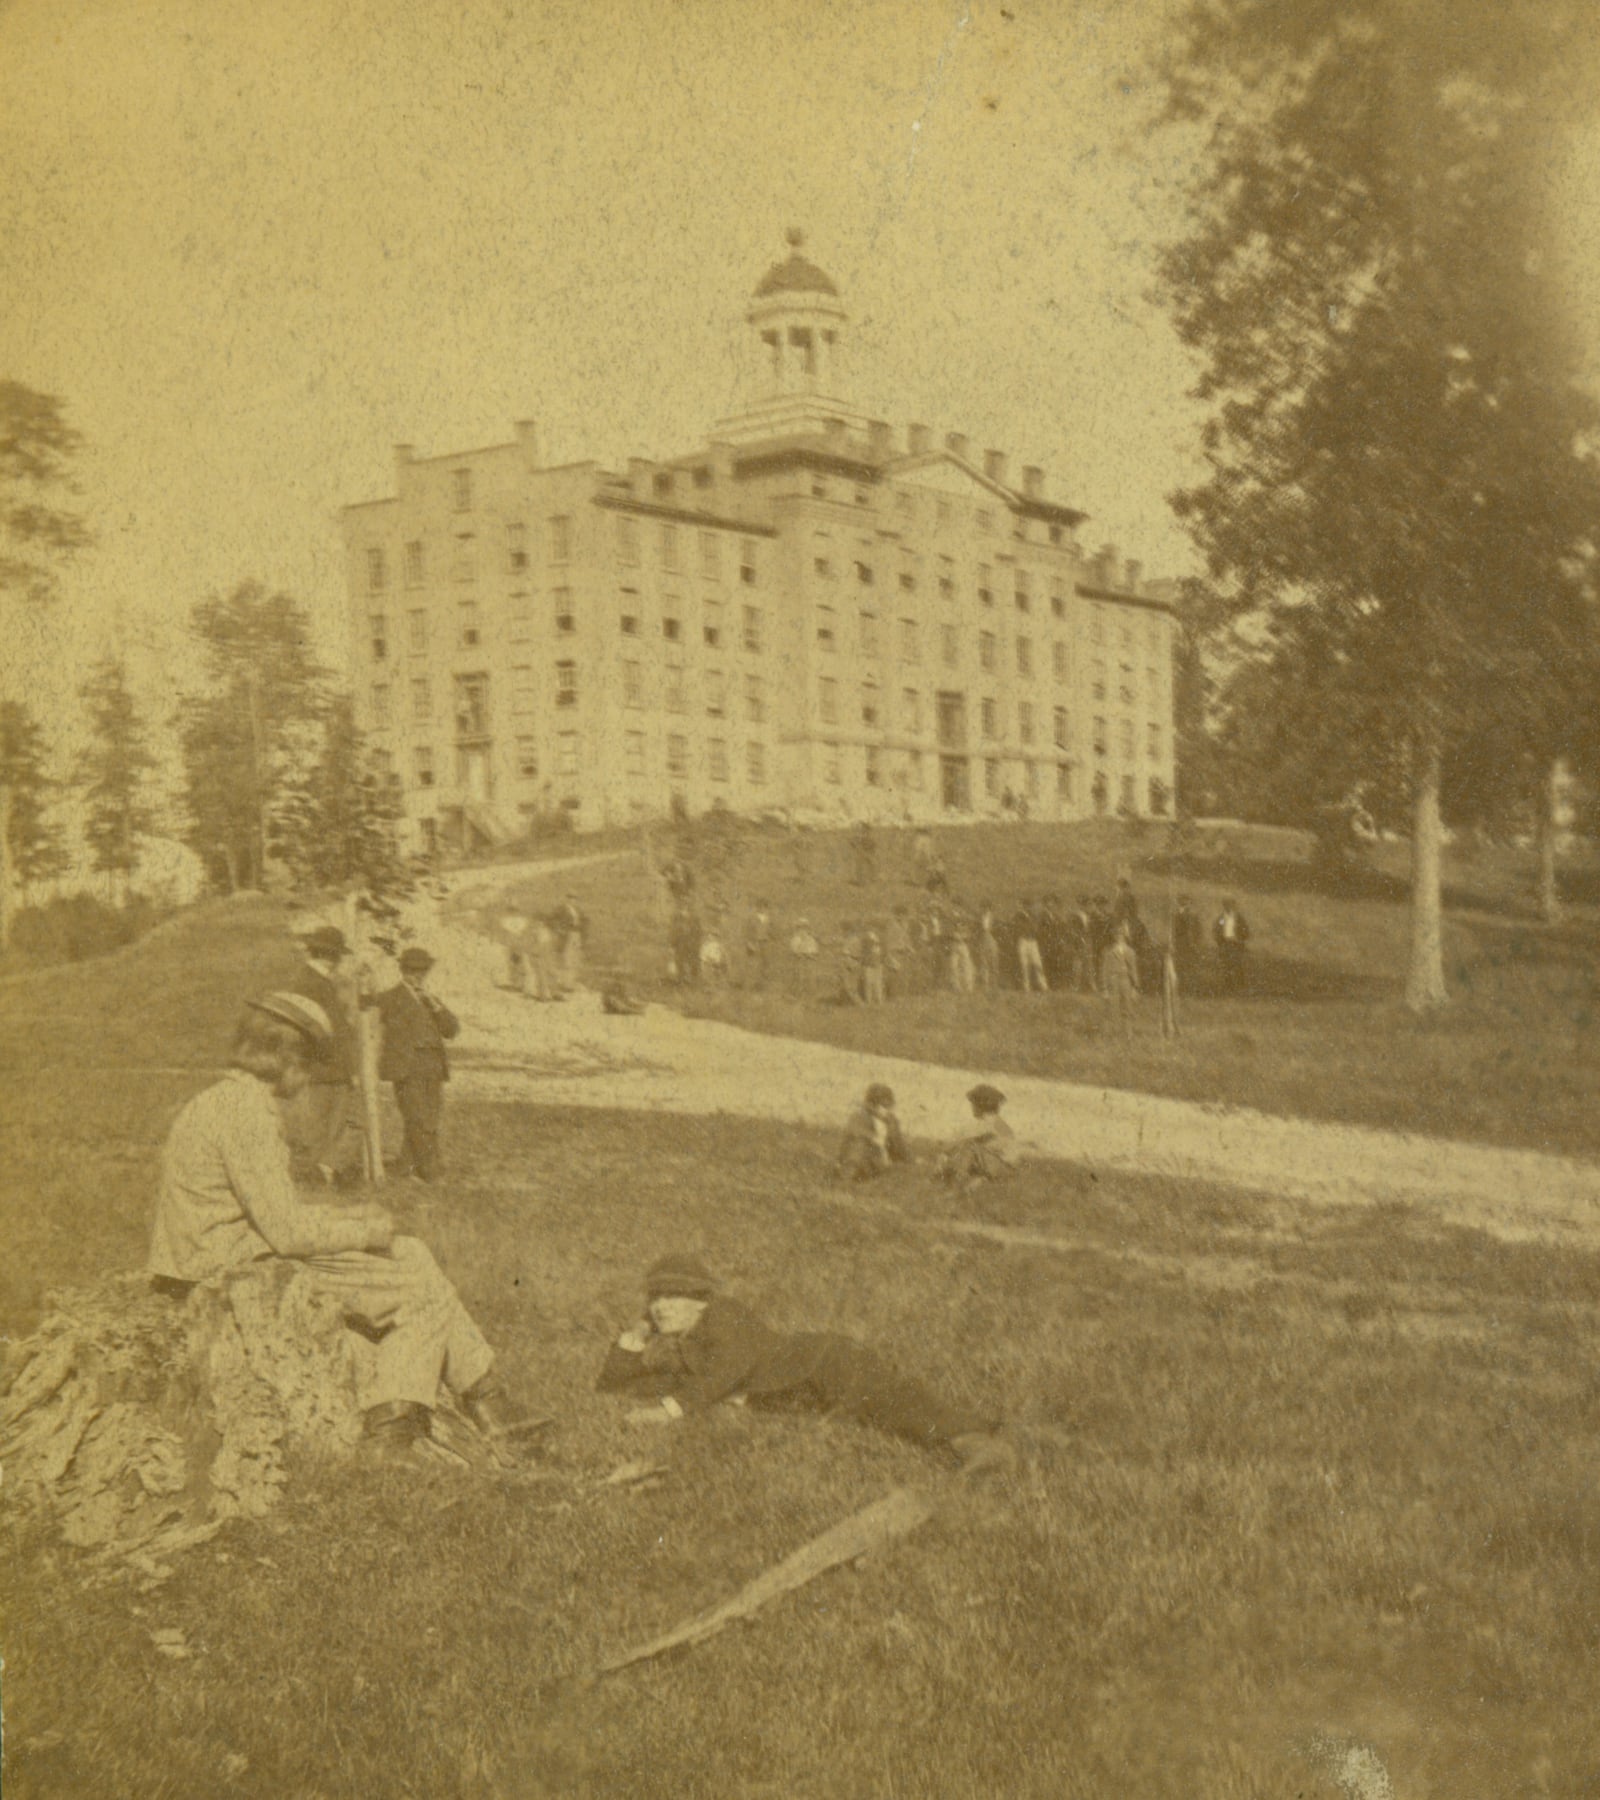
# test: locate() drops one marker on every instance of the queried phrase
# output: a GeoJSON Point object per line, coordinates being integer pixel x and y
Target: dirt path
{"type": "Point", "coordinates": [572, 1054]}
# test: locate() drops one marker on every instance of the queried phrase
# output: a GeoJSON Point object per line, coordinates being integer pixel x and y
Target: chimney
{"type": "Point", "coordinates": [994, 465]}
{"type": "Point", "coordinates": [919, 440]}
{"type": "Point", "coordinates": [528, 439]}
{"type": "Point", "coordinates": [1131, 577]}
{"type": "Point", "coordinates": [957, 444]}
{"type": "Point", "coordinates": [403, 454]}
{"type": "Point", "coordinates": [1033, 482]}
{"type": "Point", "coordinates": [880, 438]}
{"type": "Point", "coordinates": [1105, 566]}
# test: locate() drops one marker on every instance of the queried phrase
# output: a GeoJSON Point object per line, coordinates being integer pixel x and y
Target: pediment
{"type": "Point", "coordinates": [943, 472]}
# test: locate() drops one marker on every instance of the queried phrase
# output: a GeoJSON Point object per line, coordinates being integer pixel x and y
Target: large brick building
{"type": "Point", "coordinates": [811, 612]}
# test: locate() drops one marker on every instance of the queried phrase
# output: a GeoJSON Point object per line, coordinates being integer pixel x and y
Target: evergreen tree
{"type": "Point", "coordinates": [33, 847]}
{"type": "Point", "coordinates": [114, 773]}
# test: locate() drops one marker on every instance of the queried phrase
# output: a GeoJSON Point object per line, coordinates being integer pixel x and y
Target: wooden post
{"type": "Point", "coordinates": [365, 1024]}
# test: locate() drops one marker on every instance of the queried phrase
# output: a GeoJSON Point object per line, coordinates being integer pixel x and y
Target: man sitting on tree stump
{"type": "Point", "coordinates": [227, 1199]}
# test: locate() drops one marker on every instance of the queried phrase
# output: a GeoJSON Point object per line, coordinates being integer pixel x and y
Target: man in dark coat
{"type": "Point", "coordinates": [695, 1347]}
{"type": "Point", "coordinates": [1230, 934]}
{"type": "Point", "coordinates": [322, 1120]}
{"type": "Point", "coordinates": [415, 1028]}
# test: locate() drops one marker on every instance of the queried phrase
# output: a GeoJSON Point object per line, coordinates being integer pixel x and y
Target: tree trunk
{"type": "Point", "coordinates": [7, 906]}
{"type": "Point", "coordinates": [1425, 987]}
{"type": "Point", "coordinates": [365, 1024]}
{"type": "Point", "coordinates": [1548, 830]}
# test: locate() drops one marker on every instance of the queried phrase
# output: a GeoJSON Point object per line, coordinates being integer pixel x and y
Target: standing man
{"type": "Point", "coordinates": [758, 946]}
{"type": "Point", "coordinates": [415, 1028]}
{"type": "Point", "coordinates": [1230, 934]}
{"type": "Point", "coordinates": [573, 928]}
{"type": "Point", "coordinates": [322, 1118]}
{"type": "Point", "coordinates": [1030, 964]}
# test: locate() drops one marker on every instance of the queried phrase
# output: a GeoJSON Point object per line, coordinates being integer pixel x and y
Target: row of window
{"type": "Point", "coordinates": [718, 764]}
{"type": "Point", "coordinates": [669, 549]}
{"type": "Point", "coordinates": [675, 691]}
{"type": "Point", "coordinates": [469, 630]}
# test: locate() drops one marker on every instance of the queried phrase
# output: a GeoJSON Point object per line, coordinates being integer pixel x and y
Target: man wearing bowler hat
{"type": "Point", "coordinates": [416, 1025]}
{"type": "Point", "coordinates": [322, 1122]}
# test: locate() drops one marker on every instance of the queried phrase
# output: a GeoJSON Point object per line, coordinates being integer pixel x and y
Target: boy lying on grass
{"type": "Point", "coordinates": [989, 1150]}
{"type": "Point", "coordinates": [695, 1347]}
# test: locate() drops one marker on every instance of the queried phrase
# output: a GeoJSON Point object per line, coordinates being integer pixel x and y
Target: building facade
{"type": "Point", "coordinates": [812, 612]}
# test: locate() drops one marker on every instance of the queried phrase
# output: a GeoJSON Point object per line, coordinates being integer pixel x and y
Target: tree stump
{"type": "Point", "coordinates": [138, 1423]}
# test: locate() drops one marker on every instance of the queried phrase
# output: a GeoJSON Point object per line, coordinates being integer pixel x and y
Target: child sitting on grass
{"type": "Point", "coordinates": [989, 1150]}
{"type": "Point", "coordinates": [695, 1347]}
{"type": "Point", "coordinates": [872, 1137]}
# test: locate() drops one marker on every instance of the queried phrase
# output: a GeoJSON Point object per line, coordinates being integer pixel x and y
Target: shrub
{"type": "Point", "coordinates": [77, 926]}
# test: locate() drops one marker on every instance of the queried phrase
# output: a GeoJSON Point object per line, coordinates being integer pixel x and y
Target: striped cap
{"type": "Point", "coordinates": [295, 1009]}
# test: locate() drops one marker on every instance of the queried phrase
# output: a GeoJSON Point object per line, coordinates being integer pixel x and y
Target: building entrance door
{"type": "Point", "coordinates": [955, 784]}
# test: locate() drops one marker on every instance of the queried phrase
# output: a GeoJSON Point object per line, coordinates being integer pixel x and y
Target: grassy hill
{"type": "Point", "coordinates": [1322, 1032]}
{"type": "Point", "coordinates": [1294, 1483]}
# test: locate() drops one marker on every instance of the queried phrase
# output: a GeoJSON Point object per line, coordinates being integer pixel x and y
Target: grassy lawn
{"type": "Point", "coordinates": [1515, 1059]}
{"type": "Point", "coordinates": [1309, 1480]}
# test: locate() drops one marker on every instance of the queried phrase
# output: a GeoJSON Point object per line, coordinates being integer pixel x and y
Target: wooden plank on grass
{"type": "Point", "coordinates": [896, 1515]}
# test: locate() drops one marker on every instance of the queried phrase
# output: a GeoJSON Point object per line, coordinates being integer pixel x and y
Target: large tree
{"type": "Point", "coordinates": [1396, 497]}
{"type": "Point", "coordinates": [32, 845]}
{"type": "Point", "coordinates": [252, 730]}
{"type": "Point", "coordinates": [37, 533]}
{"type": "Point", "coordinates": [114, 771]}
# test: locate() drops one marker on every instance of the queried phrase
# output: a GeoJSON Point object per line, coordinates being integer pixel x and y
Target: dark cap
{"type": "Point", "coordinates": [880, 1095]}
{"type": "Point", "coordinates": [415, 961]}
{"type": "Point", "coordinates": [295, 1009]}
{"type": "Point", "coordinates": [679, 1276]}
{"type": "Point", "coordinates": [986, 1098]}
{"type": "Point", "coordinates": [327, 940]}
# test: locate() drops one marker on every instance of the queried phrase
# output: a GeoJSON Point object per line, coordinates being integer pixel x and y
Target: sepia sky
{"type": "Point", "coordinates": [252, 246]}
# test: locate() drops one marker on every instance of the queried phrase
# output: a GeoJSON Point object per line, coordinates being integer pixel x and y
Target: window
{"type": "Point", "coordinates": [716, 693]}
{"type": "Point", "coordinates": [1058, 605]}
{"type": "Point", "coordinates": [711, 630]}
{"type": "Point", "coordinates": [1152, 740]}
{"type": "Point", "coordinates": [1023, 598]}
{"type": "Point", "coordinates": [521, 621]}
{"type": "Point", "coordinates": [1064, 782]}
{"type": "Point", "coordinates": [567, 755]}
{"type": "Point", "coordinates": [827, 628]}
{"type": "Point", "coordinates": [832, 764]}
{"type": "Point", "coordinates": [566, 623]}
{"type": "Point", "coordinates": [669, 546]}
{"type": "Point", "coordinates": [461, 489]}
{"type": "Point", "coordinates": [1099, 737]}
{"type": "Point", "coordinates": [911, 711]}
{"type": "Point", "coordinates": [1058, 727]}
{"type": "Point", "coordinates": [819, 490]}
{"type": "Point", "coordinates": [422, 764]}
{"type": "Point", "coordinates": [914, 771]}
{"type": "Point", "coordinates": [990, 713]}
{"type": "Point", "coordinates": [524, 699]}
{"type": "Point", "coordinates": [677, 755]}
{"type": "Point", "coordinates": [986, 650]}
{"type": "Point", "coordinates": [414, 564]}
{"type": "Point", "coordinates": [377, 572]}
{"type": "Point", "coordinates": [472, 706]}
{"type": "Point", "coordinates": [1152, 683]}
{"type": "Point", "coordinates": [380, 703]}
{"type": "Point", "coordinates": [377, 625]}
{"type": "Point", "coordinates": [566, 684]}
{"type": "Point", "coordinates": [1030, 778]}
{"type": "Point", "coordinates": [467, 631]}
{"type": "Point", "coordinates": [717, 758]}
{"type": "Point", "coordinates": [561, 539]}
{"type": "Point", "coordinates": [1058, 660]}
{"type": "Point", "coordinates": [661, 482]}
{"type": "Point", "coordinates": [1125, 686]}
{"type": "Point", "coordinates": [823, 567]}
{"type": "Point", "coordinates": [869, 634]}
{"type": "Point", "coordinates": [627, 541]}
{"type": "Point", "coordinates": [910, 648]}
{"type": "Point", "coordinates": [904, 501]}
{"type": "Point", "coordinates": [1099, 681]}
{"type": "Point", "coordinates": [985, 518]}
{"type": "Point", "coordinates": [516, 547]}
{"type": "Point", "coordinates": [1158, 796]}
{"type": "Point", "coordinates": [1024, 656]}
{"type": "Point", "coordinates": [464, 564]}
{"type": "Point", "coordinates": [1025, 721]}
{"type": "Point", "coordinates": [710, 554]}
{"type": "Point", "coordinates": [527, 759]}
{"type": "Point", "coordinates": [747, 561]}
{"type": "Point", "coordinates": [864, 574]}
{"type": "Point", "coordinates": [991, 777]}
{"type": "Point", "coordinates": [986, 584]}
{"type": "Point", "coordinates": [630, 624]}
{"type": "Point", "coordinates": [869, 702]}
{"type": "Point", "coordinates": [633, 684]}
{"type": "Point", "coordinates": [421, 698]}
{"type": "Point", "coordinates": [949, 645]}
{"type": "Point", "coordinates": [752, 628]}
{"type": "Point", "coordinates": [419, 628]}
{"type": "Point", "coordinates": [755, 763]}
{"type": "Point", "coordinates": [874, 766]}
{"type": "Point", "coordinates": [828, 700]}
{"type": "Point", "coordinates": [1097, 625]}
{"type": "Point", "coordinates": [676, 697]}
{"type": "Point", "coordinates": [1126, 801]}
{"type": "Point", "coordinates": [633, 752]}
{"type": "Point", "coordinates": [863, 498]}
{"type": "Point", "coordinates": [908, 582]}
{"type": "Point", "coordinates": [702, 475]}
{"type": "Point", "coordinates": [1125, 634]}
{"type": "Point", "coordinates": [672, 630]}
{"type": "Point", "coordinates": [755, 700]}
